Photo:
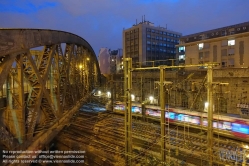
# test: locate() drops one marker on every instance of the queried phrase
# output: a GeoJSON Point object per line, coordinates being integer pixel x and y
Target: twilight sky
{"type": "Point", "coordinates": [101, 22]}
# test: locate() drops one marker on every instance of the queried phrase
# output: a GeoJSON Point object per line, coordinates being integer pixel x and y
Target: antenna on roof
{"type": "Point", "coordinates": [144, 18]}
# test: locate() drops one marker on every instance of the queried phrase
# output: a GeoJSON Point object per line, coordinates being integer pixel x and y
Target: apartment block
{"type": "Point", "coordinates": [149, 45]}
{"type": "Point", "coordinates": [228, 46]}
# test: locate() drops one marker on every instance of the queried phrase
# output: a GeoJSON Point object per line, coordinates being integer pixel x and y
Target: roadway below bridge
{"type": "Point", "coordinates": [101, 136]}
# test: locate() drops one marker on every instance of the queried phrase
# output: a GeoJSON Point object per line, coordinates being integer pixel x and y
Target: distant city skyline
{"type": "Point", "coordinates": [101, 22]}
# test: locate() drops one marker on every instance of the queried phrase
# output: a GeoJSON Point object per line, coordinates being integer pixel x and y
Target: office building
{"type": "Point", "coordinates": [149, 45]}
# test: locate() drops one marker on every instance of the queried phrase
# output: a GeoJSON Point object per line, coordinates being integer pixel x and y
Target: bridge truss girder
{"type": "Point", "coordinates": [38, 87]}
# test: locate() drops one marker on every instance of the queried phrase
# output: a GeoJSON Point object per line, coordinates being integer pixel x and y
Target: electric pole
{"type": "Point", "coordinates": [128, 116]}
{"type": "Point", "coordinates": [210, 113]}
{"type": "Point", "coordinates": [162, 106]}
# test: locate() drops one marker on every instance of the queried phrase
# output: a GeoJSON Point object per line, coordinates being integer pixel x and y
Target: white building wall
{"type": "Point", "coordinates": [104, 61]}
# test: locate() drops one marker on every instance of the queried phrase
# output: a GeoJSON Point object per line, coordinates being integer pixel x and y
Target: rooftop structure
{"type": "Point", "coordinates": [149, 45]}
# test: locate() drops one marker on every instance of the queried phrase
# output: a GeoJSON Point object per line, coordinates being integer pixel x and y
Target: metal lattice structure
{"type": "Point", "coordinates": [39, 88]}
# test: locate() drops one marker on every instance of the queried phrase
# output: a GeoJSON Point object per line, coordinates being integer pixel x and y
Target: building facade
{"type": "Point", "coordinates": [228, 46]}
{"type": "Point", "coordinates": [110, 61]}
{"type": "Point", "coordinates": [116, 63]}
{"type": "Point", "coordinates": [148, 45]}
{"type": "Point", "coordinates": [104, 61]}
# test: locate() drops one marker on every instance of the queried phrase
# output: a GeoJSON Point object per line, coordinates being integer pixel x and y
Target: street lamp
{"type": "Point", "coordinates": [81, 75]}
{"type": "Point", "coordinates": [132, 97]}
{"type": "Point", "coordinates": [151, 98]}
{"type": "Point", "coordinates": [108, 94]}
{"type": "Point", "coordinates": [206, 107]}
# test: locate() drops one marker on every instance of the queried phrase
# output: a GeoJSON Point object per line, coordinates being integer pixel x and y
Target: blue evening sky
{"type": "Point", "coordinates": [101, 22]}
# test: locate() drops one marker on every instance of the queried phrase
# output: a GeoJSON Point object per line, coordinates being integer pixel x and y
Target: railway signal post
{"type": "Point", "coordinates": [210, 113]}
{"type": "Point", "coordinates": [128, 116]}
{"type": "Point", "coordinates": [162, 106]}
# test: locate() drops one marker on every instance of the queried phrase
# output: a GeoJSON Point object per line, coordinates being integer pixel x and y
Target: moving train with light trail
{"type": "Point", "coordinates": [232, 127]}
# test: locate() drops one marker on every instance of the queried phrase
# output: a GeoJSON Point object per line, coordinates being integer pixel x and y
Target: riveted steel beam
{"type": "Point", "coordinates": [41, 86]}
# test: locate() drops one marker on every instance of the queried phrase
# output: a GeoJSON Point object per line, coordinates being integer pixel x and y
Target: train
{"type": "Point", "coordinates": [228, 126]}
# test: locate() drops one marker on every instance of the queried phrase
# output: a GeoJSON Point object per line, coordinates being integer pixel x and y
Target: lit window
{"type": "Point", "coordinates": [182, 49]}
{"type": "Point", "coordinates": [200, 46]}
{"type": "Point", "coordinates": [181, 57]}
{"type": "Point", "coordinates": [231, 42]}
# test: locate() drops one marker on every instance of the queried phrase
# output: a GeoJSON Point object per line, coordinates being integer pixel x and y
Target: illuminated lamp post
{"type": "Point", "coordinates": [151, 98]}
{"type": "Point", "coordinates": [108, 94]}
{"type": "Point", "coordinates": [80, 67]}
{"type": "Point", "coordinates": [87, 74]}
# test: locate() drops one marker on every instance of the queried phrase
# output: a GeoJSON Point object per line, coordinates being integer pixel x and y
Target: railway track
{"type": "Point", "coordinates": [105, 133]}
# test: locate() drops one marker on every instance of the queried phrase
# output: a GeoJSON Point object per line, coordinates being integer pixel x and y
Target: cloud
{"type": "Point", "coordinates": [26, 7]}
{"type": "Point", "coordinates": [101, 22]}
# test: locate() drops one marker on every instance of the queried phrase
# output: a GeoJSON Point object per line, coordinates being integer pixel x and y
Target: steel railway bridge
{"type": "Point", "coordinates": [45, 76]}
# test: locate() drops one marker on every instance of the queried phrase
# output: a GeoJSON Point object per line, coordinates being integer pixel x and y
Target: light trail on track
{"type": "Point", "coordinates": [104, 131]}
